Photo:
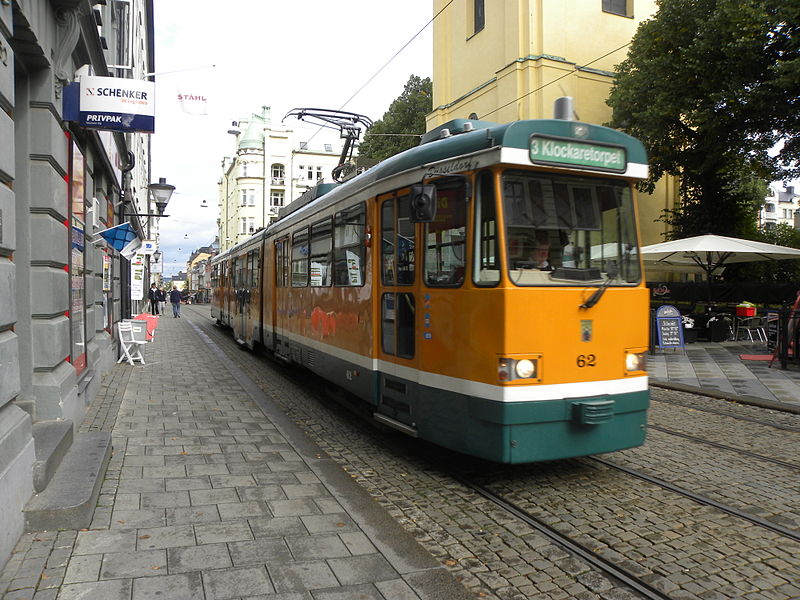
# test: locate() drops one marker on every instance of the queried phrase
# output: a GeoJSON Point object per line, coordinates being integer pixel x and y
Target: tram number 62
{"type": "Point", "coordinates": [586, 360]}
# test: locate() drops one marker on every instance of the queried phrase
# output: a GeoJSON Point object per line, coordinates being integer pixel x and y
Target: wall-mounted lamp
{"type": "Point", "coordinates": [204, 204]}
{"type": "Point", "coordinates": [162, 192]}
{"type": "Point", "coordinates": [157, 255]}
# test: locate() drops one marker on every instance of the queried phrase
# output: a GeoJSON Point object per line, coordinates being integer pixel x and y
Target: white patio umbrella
{"type": "Point", "coordinates": [711, 252]}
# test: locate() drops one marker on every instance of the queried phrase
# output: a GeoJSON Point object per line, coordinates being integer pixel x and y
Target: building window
{"type": "Point", "coordinates": [278, 171]}
{"type": "Point", "coordinates": [303, 145]}
{"type": "Point", "coordinates": [248, 197]}
{"type": "Point", "coordinates": [244, 169]}
{"type": "Point", "coordinates": [328, 147]}
{"type": "Point", "coordinates": [276, 198]}
{"type": "Point", "coordinates": [770, 208]}
{"type": "Point", "coordinates": [479, 15]}
{"type": "Point", "coordinates": [319, 173]}
{"type": "Point", "coordinates": [617, 7]}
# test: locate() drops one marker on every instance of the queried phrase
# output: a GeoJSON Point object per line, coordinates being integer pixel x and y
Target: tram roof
{"type": "Point", "coordinates": [464, 138]}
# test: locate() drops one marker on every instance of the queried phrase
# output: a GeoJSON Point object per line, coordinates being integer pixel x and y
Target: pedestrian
{"type": "Point", "coordinates": [175, 298]}
{"type": "Point", "coordinates": [162, 300]}
{"type": "Point", "coordinates": [152, 295]}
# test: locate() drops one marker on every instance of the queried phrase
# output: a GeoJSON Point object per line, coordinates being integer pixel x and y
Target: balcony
{"type": "Point", "coordinates": [278, 181]}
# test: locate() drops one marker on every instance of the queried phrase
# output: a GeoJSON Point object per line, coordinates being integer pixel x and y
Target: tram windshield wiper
{"type": "Point", "coordinates": [598, 293]}
{"type": "Point", "coordinates": [611, 274]}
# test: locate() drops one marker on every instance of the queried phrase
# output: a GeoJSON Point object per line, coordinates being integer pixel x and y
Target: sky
{"type": "Point", "coordinates": [309, 53]}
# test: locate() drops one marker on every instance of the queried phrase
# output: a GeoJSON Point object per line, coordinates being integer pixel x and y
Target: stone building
{"type": "Point", "coordinates": [61, 287]}
{"type": "Point", "coordinates": [271, 166]}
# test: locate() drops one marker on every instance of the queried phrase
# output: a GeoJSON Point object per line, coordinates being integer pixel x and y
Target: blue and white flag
{"type": "Point", "coordinates": [123, 239]}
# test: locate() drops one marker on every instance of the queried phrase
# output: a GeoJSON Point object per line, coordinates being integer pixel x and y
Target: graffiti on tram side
{"type": "Point", "coordinates": [324, 323]}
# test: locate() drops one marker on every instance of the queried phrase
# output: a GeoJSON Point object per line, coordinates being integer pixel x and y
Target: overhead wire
{"type": "Point", "coordinates": [386, 64]}
{"type": "Point", "coordinates": [541, 87]}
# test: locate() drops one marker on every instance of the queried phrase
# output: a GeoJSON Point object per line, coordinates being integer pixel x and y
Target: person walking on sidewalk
{"type": "Point", "coordinates": [152, 295]}
{"type": "Point", "coordinates": [175, 298]}
{"type": "Point", "coordinates": [162, 300]}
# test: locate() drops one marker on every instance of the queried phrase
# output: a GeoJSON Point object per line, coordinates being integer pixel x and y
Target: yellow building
{"type": "Point", "coordinates": [505, 60]}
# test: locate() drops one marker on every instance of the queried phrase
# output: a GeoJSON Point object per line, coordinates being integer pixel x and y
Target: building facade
{"type": "Point", "coordinates": [271, 166]}
{"type": "Point", "coordinates": [505, 60]}
{"type": "Point", "coordinates": [782, 205]}
{"type": "Point", "coordinates": [61, 290]}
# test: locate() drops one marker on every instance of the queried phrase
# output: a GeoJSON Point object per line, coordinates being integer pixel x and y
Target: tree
{"type": "Point", "coordinates": [406, 115]}
{"type": "Point", "coordinates": [711, 87]}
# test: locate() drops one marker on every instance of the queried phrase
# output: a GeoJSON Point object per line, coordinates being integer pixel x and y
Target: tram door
{"type": "Point", "coordinates": [241, 300]}
{"type": "Point", "coordinates": [281, 299]}
{"type": "Point", "coordinates": [398, 295]}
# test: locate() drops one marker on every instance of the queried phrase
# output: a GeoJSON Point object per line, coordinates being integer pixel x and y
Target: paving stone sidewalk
{"type": "Point", "coordinates": [212, 493]}
{"type": "Point", "coordinates": [718, 367]}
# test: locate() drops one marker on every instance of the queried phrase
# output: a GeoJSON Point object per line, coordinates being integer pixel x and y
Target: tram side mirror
{"type": "Point", "coordinates": [423, 203]}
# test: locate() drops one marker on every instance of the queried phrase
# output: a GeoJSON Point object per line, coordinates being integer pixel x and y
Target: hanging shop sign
{"type": "Point", "coordinates": [111, 103]}
{"type": "Point", "coordinates": [137, 277]}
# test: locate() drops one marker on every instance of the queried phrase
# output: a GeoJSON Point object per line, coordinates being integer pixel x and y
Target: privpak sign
{"type": "Point", "coordinates": [111, 103]}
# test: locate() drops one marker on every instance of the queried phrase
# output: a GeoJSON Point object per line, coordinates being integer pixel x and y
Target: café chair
{"type": "Point", "coordinates": [130, 342]}
{"type": "Point", "coordinates": [749, 327]}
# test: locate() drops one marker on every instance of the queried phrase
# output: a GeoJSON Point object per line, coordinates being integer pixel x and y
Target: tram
{"type": "Point", "coordinates": [482, 291]}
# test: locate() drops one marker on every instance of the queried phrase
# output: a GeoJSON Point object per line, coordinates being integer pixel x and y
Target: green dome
{"type": "Point", "coordinates": [253, 137]}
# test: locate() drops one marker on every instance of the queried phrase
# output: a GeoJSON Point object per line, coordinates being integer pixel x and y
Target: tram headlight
{"type": "Point", "coordinates": [509, 369]}
{"type": "Point", "coordinates": [634, 361]}
{"type": "Point", "coordinates": [525, 368]}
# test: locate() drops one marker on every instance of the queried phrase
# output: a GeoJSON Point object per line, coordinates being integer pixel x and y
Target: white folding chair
{"type": "Point", "coordinates": [131, 346]}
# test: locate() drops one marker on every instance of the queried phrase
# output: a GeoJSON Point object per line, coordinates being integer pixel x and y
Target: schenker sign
{"type": "Point", "coordinates": [111, 103]}
{"type": "Point", "coordinates": [576, 153]}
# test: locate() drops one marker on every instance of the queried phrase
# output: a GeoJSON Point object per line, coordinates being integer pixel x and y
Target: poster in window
{"type": "Point", "coordinates": [353, 267]}
{"type": "Point", "coordinates": [77, 295]}
{"type": "Point", "coordinates": [106, 273]}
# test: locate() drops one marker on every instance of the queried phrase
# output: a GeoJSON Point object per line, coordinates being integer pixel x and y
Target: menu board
{"type": "Point", "coordinates": [669, 327]}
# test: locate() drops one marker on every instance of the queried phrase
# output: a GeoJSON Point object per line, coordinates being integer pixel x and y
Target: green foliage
{"type": "Point", "coordinates": [406, 115]}
{"type": "Point", "coordinates": [710, 87]}
{"type": "Point", "coordinates": [772, 271]}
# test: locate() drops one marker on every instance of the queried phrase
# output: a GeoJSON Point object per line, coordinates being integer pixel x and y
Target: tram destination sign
{"type": "Point", "coordinates": [574, 153]}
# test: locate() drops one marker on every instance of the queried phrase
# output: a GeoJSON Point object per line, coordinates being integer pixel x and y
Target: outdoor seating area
{"type": "Point", "coordinates": [134, 335]}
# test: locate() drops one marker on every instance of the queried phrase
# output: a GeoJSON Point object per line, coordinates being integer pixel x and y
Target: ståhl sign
{"type": "Point", "coordinates": [111, 103]}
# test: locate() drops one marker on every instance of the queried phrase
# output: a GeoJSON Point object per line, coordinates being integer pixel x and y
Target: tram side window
{"type": "Point", "coordinates": [486, 267]}
{"type": "Point", "coordinates": [300, 258]}
{"type": "Point", "coordinates": [321, 245]}
{"type": "Point", "coordinates": [387, 243]}
{"type": "Point", "coordinates": [282, 262]}
{"type": "Point", "coordinates": [398, 242]}
{"type": "Point", "coordinates": [349, 252]}
{"type": "Point", "coordinates": [445, 239]}
{"type": "Point", "coordinates": [406, 242]}
{"type": "Point", "coordinates": [252, 260]}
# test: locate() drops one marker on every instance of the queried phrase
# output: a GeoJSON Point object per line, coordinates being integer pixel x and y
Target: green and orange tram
{"type": "Point", "coordinates": [483, 291]}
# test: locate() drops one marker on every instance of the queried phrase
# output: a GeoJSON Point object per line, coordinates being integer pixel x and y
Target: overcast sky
{"type": "Point", "coordinates": [309, 53]}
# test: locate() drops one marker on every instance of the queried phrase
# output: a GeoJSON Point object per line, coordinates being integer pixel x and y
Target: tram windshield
{"type": "Point", "coordinates": [561, 230]}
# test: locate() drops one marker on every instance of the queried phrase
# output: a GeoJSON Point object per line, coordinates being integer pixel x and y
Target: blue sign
{"type": "Point", "coordinates": [111, 103]}
{"type": "Point", "coordinates": [669, 327]}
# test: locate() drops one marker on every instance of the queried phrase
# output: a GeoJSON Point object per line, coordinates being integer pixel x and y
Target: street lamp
{"type": "Point", "coordinates": [162, 192]}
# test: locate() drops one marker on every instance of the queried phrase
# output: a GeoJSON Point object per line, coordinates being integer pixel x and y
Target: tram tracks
{"type": "Point", "coordinates": [596, 561]}
{"type": "Point", "coordinates": [748, 453]}
{"type": "Point", "coordinates": [728, 413]}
